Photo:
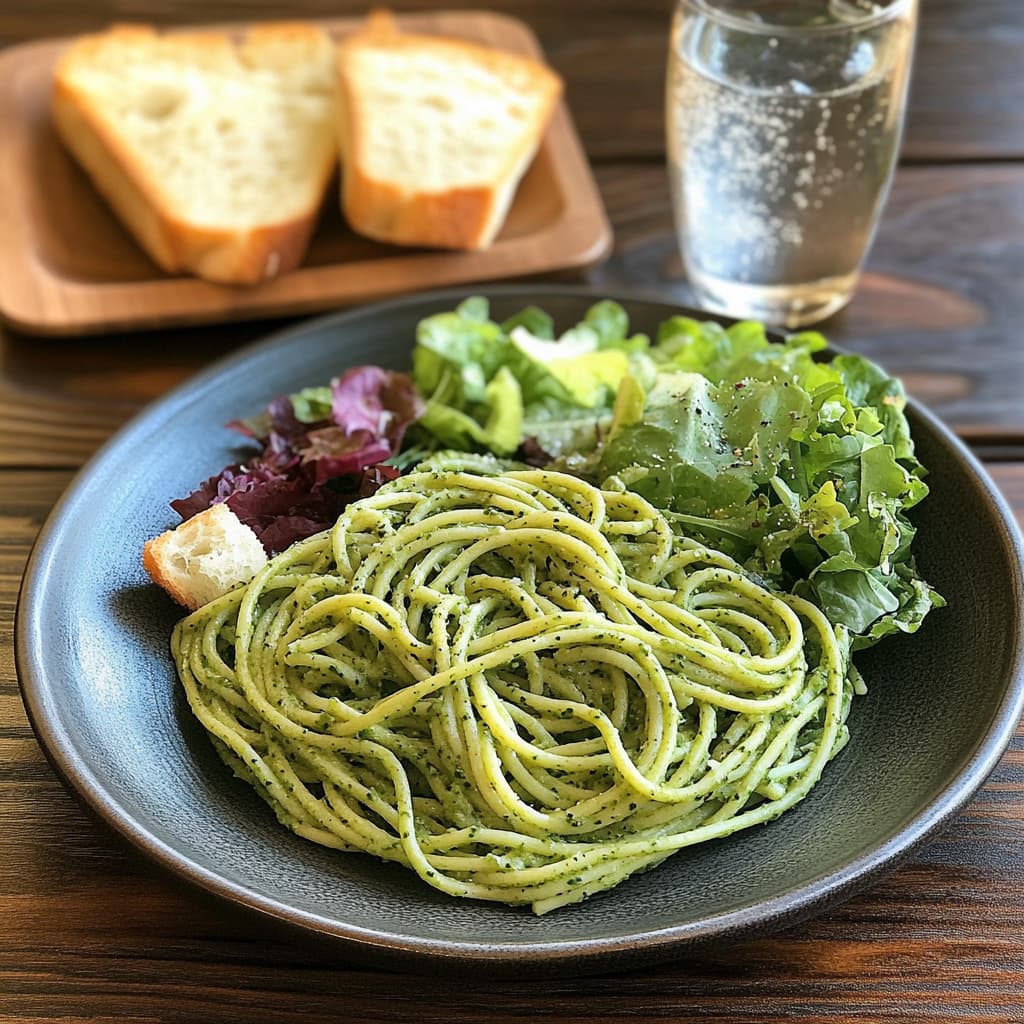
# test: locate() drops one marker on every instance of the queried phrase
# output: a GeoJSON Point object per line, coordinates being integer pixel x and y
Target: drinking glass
{"type": "Point", "coordinates": [783, 121]}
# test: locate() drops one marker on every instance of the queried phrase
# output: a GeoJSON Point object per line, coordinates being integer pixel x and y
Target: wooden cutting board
{"type": "Point", "coordinates": [68, 267]}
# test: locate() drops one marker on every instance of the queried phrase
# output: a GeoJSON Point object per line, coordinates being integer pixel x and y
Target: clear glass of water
{"type": "Point", "coordinates": [783, 121]}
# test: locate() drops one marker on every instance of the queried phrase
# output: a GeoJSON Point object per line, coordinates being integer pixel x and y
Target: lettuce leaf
{"type": "Point", "coordinates": [494, 424]}
{"type": "Point", "coordinates": [494, 387]}
{"type": "Point", "coordinates": [702, 448]}
{"type": "Point", "coordinates": [586, 375]}
{"type": "Point", "coordinates": [803, 470]}
{"type": "Point", "coordinates": [320, 448]}
{"type": "Point", "coordinates": [560, 430]}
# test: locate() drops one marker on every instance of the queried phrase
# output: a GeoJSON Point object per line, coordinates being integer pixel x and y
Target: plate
{"type": "Point", "coordinates": [92, 650]}
{"type": "Point", "coordinates": [68, 267]}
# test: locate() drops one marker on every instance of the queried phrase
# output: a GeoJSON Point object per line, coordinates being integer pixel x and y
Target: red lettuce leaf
{"type": "Point", "coordinates": [380, 402]}
{"type": "Point", "coordinates": [533, 454]}
{"type": "Point", "coordinates": [307, 473]}
{"type": "Point", "coordinates": [332, 452]}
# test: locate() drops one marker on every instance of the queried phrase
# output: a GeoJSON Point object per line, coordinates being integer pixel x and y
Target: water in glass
{"type": "Point", "coordinates": [783, 126]}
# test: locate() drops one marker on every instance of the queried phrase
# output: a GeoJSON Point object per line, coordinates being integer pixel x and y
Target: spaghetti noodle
{"type": "Point", "coordinates": [520, 686]}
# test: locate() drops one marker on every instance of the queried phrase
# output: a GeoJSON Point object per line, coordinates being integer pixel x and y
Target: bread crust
{"type": "Point", "coordinates": [153, 561]}
{"type": "Point", "coordinates": [463, 217]}
{"type": "Point", "coordinates": [221, 255]}
{"type": "Point", "coordinates": [453, 219]}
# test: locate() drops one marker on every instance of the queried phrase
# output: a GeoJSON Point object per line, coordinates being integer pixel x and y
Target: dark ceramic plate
{"type": "Point", "coordinates": [100, 688]}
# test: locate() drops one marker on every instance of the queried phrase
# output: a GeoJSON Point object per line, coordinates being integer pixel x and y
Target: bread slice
{"type": "Point", "coordinates": [435, 134]}
{"type": "Point", "coordinates": [204, 557]}
{"type": "Point", "coordinates": [216, 155]}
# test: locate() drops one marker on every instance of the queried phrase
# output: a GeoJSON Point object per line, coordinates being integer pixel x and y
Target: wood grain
{"type": "Point", "coordinates": [967, 99]}
{"type": "Point", "coordinates": [92, 933]}
{"type": "Point", "coordinates": [941, 305]}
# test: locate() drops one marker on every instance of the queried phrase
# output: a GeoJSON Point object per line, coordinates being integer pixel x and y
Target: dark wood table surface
{"type": "Point", "coordinates": [90, 932]}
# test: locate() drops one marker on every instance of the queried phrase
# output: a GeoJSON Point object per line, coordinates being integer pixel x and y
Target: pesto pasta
{"type": "Point", "coordinates": [520, 686]}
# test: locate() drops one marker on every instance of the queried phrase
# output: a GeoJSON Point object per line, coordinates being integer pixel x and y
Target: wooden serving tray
{"type": "Point", "coordinates": [68, 267]}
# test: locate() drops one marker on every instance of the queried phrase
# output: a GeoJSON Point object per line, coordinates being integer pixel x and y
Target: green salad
{"type": "Point", "coordinates": [800, 467]}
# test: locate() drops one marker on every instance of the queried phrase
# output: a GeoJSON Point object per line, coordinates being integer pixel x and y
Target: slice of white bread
{"type": "Point", "coordinates": [216, 155]}
{"type": "Point", "coordinates": [435, 134]}
{"type": "Point", "coordinates": [204, 557]}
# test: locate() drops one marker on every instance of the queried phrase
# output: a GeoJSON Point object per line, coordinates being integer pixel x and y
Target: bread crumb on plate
{"type": "Point", "coordinates": [205, 557]}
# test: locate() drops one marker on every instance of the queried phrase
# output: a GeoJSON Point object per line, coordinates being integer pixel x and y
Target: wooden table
{"type": "Point", "coordinates": [88, 932]}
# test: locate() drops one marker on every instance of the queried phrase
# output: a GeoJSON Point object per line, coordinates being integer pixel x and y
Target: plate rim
{"type": "Point", "coordinates": [640, 946]}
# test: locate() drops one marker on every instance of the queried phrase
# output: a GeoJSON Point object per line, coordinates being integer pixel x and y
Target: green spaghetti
{"type": "Point", "coordinates": [520, 686]}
